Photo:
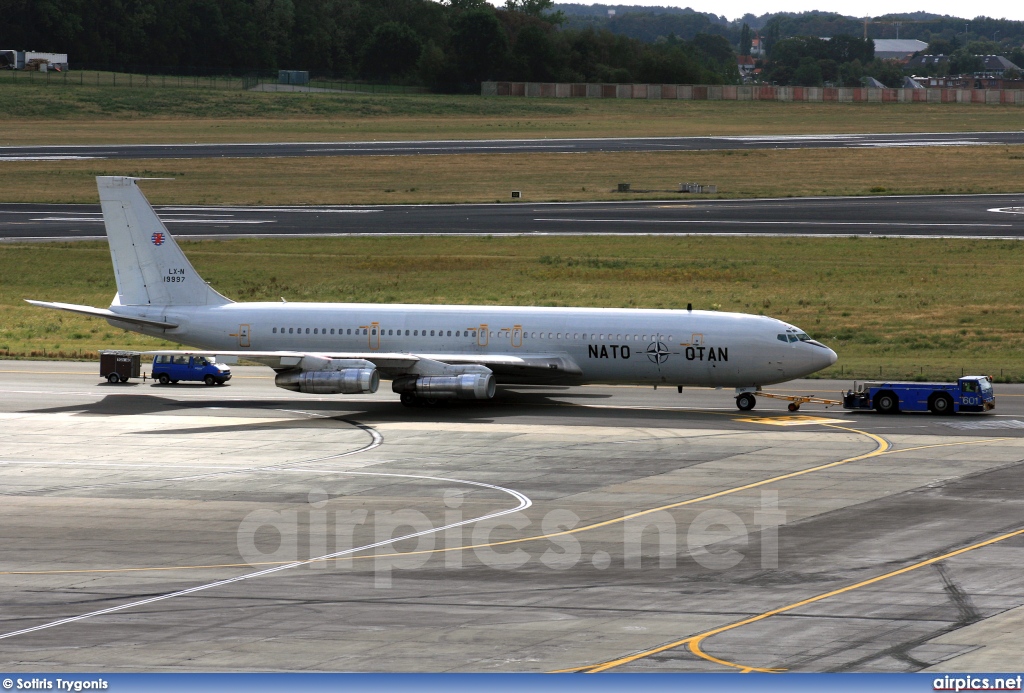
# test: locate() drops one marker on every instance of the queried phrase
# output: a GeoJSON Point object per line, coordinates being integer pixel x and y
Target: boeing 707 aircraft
{"type": "Point", "coordinates": [432, 352]}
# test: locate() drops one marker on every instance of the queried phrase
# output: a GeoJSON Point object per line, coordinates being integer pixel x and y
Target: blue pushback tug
{"type": "Point", "coordinates": [970, 393]}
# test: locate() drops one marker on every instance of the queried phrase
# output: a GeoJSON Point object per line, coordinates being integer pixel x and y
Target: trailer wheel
{"type": "Point", "coordinates": [113, 379]}
{"type": "Point", "coordinates": [210, 380]}
{"type": "Point", "coordinates": [940, 403]}
{"type": "Point", "coordinates": [746, 401]}
{"type": "Point", "coordinates": [164, 379]}
{"type": "Point", "coordinates": [887, 403]}
{"type": "Point", "coordinates": [793, 406]}
{"type": "Point", "coordinates": [123, 378]}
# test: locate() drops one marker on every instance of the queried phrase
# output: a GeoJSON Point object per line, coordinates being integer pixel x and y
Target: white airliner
{"type": "Point", "coordinates": [430, 352]}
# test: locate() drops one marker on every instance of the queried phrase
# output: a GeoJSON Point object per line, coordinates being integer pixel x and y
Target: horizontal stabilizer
{"type": "Point", "coordinates": [102, 313]}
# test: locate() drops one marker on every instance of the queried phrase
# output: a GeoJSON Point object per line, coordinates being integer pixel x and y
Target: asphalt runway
{"type": "Point", "coordinates": [171, 528]}
{"type": "Point", "coordinates": [567, 145]}
{"type": "Point", "coordinates": [965, 216]}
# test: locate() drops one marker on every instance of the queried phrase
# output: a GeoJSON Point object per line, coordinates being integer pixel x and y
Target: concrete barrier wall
{"type": "Point", "coordinates": [747, 92]}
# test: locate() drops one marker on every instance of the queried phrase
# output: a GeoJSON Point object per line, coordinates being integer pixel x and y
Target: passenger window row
{"type": "Point", "coordinates": [594, 337]}
{"type": "Point", "coordinates": [372, 331]}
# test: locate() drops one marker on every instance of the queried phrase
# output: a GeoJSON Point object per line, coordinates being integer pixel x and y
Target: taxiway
{"type": "Point", "coordinates": [189, 528]}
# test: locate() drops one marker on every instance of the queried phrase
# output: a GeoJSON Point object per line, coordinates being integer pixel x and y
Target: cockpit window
{"type": "Point", "coordinates": [782, 338]}
{"type": "Point", "coordinates": [802, 336]}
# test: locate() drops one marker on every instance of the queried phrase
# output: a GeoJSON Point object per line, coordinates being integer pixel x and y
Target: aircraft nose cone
{"type": "Point", "coordinates": [832, 357]}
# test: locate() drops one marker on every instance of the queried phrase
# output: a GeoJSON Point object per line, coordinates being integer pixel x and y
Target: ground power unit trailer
{"type": "Point", "coordinates": [970, 393]}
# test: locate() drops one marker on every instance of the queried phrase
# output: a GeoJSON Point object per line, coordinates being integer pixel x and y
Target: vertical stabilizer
{"type": "Point", "coordinates": [149, 266]}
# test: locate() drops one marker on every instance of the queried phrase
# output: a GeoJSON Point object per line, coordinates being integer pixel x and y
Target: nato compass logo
{"type": "Point", "coordinates": [657, 352]}
{"type": "Point", "coordinates": [158, 238]}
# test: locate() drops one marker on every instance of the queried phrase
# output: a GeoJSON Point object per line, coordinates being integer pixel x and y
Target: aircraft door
{"type": "Point", "coordinates": [372, 335]}
{"type": "Point", "coordinates": [481, 336]}
{"type": "Point", "coordinates": [517, 336]}
{"type": "Point", "coordinates": [243, 335]}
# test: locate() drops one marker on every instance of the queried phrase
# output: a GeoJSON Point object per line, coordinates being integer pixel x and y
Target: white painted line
{"type": "Point", "coordinates": [446, 148]}
{"type": "Point", "coordinates": [826, 136]}
{"type": "Point", "coordinates": [166, 221]}
{"type": "Point", "coordinates": [524, 503]}
{"type": "Point", "coordinates": [67, 157]}
{"type": "Point", "coordinates": [308, 210]}
{"type": "Point", "coordinates": [776, 223]}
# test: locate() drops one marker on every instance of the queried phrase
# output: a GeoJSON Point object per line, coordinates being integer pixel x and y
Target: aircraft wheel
{"type": "Point", "coordinates": [210, 380]}
{"type": "Point", "coordinates": [941, 404]}
{"type": "Point", "coordinates": [113, 379]}
{"type": "Point", "coordinates": [793, 406]}
{"type": "Point", "coordinates": [746, 401]}
{"type": "Point", "coordinates": [164, 379]}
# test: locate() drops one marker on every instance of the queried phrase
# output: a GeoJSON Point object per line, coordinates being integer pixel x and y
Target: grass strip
{"type": "Point", "coordinates": [541, 177]}
{"type": "Point", "coordinates": [70, 114]}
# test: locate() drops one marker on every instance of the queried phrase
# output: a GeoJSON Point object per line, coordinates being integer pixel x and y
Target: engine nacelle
{"type": "Point", "coordinates": [465, 386]}
{"type": "Point", "coordinates": [347, 381]}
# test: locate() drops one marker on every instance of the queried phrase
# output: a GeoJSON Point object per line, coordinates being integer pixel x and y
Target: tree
{"type": "Point", "coordinates": [772, 33]}
{"type": "Point", "coordinates": [963, 62]}
{"type": "Point", "coordinates": [850, 74]}
{"type": "Point", "coordinates": [939, 46]}
{"type": "Point", "coordinates": [745, 39]}
{"type": "Point", "coordinates": [480, 47]}
{"type": "Point", "coordinates": [844, 48]}
{"type": "Point", "coordinates": [534, 55]}
{"type": "Point", "coordinates": [888, 72]}
{"type": "Point", "coordinates": [541, 9]}
{"type": "Point", "coordinates": [391, 52]}
{"type": "Point", "coordinates": [808, 73]}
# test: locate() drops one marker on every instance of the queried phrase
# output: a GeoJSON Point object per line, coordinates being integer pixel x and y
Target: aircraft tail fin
{"type": "Point", "coordinates": [149, 266]}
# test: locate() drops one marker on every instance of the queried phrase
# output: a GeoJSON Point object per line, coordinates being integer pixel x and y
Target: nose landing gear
{"type": "Point", "coordinates": [746, 401]}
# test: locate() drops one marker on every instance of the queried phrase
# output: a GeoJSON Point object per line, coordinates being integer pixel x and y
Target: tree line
{"type": "Point", "coordinates": [449, 46]}
{"type": "Point", "coordinates": [647, 23]}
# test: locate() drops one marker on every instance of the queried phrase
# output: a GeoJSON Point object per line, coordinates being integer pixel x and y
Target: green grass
{"type": "Point", "coordinates": [540, 177]}
{"type": "Point", "coordinates": [72, 114]}
{"type": "Point", "coordinates": [891, 307]}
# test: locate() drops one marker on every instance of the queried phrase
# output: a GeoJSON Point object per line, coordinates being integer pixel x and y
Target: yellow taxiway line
{"type": "Point", "coordinates": [694, 641]}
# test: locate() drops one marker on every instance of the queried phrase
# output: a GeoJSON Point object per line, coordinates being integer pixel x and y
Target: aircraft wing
{"type": "Point", "coordinates": [395, 364]}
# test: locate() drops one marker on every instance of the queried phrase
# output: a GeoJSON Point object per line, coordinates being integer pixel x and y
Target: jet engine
{"type": "Point", "coordinates": [464, 386]}
{"type": "Point", "coordinates": [347, 381]}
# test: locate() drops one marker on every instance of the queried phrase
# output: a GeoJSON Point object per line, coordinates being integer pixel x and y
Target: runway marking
{"type": "Point", "coordinates": [67, 157]}
{"type": "Point", "coordinates": [524, 503]}
{"type": "Point", "coordinates": [789, 420]}
{"type": "Point", "coordinates": [762, 222]}
{"type": "Point", "coordinates": [694, 641]}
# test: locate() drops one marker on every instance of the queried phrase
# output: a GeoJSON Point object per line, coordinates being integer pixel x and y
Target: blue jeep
{"type": "Point", "coordinates": [172, 369]}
